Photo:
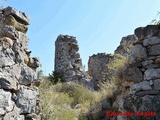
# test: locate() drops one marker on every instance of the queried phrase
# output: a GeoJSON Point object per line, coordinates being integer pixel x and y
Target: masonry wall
{"type": "Point", "coordinates": [142, 76]}
{"type": "Point", "coordinates": [67, 58]}
{"type": "Point", "coordinates": [18, 100]}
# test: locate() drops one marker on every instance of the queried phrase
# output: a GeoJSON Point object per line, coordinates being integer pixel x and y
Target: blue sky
{"type": "Point", "coordinates": [98, 25]}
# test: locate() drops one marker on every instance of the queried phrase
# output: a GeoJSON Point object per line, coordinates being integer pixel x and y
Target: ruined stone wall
{"type": "Point", "coordinates": [126, 45]}
{"type": "Point", "coordinates": [18, 100]}
{"type": "Point", "coordinates": [97, 64]}
{"type": "Point", "coordinates": [97, 67]}
{"type": "Point", "coordinates": [67, 58]}
{"type": "Point", "coordinates": [142, 76]}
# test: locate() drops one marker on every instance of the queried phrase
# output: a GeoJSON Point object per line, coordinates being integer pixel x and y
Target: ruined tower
{"type": "Point", "coordinates": [67, 58]}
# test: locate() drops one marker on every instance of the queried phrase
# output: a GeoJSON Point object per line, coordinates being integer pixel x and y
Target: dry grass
{"type": "Point", "coordinates": [73, 101]}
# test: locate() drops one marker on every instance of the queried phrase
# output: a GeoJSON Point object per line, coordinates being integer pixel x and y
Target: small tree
{"type": "Point", "coordinates": [55, 77]}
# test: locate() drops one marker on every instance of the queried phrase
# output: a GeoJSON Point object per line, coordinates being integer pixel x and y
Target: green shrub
{"type": "Point", "coordinates": [55, 77]}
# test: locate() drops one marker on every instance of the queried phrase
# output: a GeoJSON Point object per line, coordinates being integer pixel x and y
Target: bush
{"type": "Point", "coordinates": [55, 77]}
{"type": "Point", "coordinates": [69, 101]}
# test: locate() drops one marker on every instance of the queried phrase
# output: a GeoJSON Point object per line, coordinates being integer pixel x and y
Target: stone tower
{"type": "Point", "coordinates": [67, 58]}
{"type": "Point", "coordinates": [18, 101]}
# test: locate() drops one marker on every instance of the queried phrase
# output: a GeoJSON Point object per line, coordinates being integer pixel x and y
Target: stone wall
{"type": "Point", "coordinates": [97, 67]}
{"type": "Point", "coordinates": [67, 59]}
{"type": "Point", "coordinates": [18, 95]}
{"type": "Point", "coordinates": [142, 76]}
{"type": "Point", "coordinates": [126, 45]}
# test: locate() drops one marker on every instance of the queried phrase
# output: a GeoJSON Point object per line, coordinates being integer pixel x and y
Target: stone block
{"type": "Point", "coordinates": [11, 21]}
{"type": "Point", "coordinates": [154, 50]}
{"type": "Point", "coordinates": [6, 104]}
{"type": "Point", "coordinates": [151, 41]}
{"type": "Point", "coordinates": [133, 74]}
{"type": "Point", "coordinates": [139, 52]}
{"type": "Point", "coordinates": [146, 32]}
{"type": "Point", "coordinates": [20, 16]}
{"type": "Point", "coordinates": [144, 85]}
{"type": "Point", "coordinates": [26, 99]}
{"type": "Point", "coordinates": [157, 84]}
{"type": "Point", "coordinates": [151, 74]}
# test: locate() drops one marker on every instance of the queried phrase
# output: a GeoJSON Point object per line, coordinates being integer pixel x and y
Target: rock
{"type": "Point", "coordinates": [14, 115]}
{"type": "Point", "coordinates": [126, 45]}
{"type": "Point", "coordinates": [32, 116]}
{"type": "Point", "coordinates": [6, 104]}
{"type": "Point", "coordinates": [139, 52]}
{"type": "Point", "coordinates": [133, 74]}
{"type": "Point", "coordinates": [146, 32]}
{"type": "Point", "coordinates": [9, 31]}
{"type": "Point", "coordinates": [152, 66]}
{"type": "Point", "coordinates": [34, 62]}
{"type": "Point", "coordinates": [157, 84]}
{"type": "Point", "coordinates": [154, 50]}
{"type": "Point", "coordinates": [151, 74]}
{"type": "Point", "coordinates": [28, 76]}
{"type": "Point", "coordinates": [151, 103]}
{"type": "Point", "coordinates": [8, 79]}
{"type": "Point", "coordinates": [106, 104]}
{"type": "Point", "coordinates": [144, 85]}
{"type": "Point", "coordinates": [7, 42]}
{"type": "Point", "coordinates": [11, 21]}
{"type": "Point", "coordinates": [23, 40]}
{"type": "Point", "coordinates": [26, 99]}
{"type": "Point", "coordinates": [19, 117]}
{"type": "Point", "coordinates": [151, 41]}
{"type": "Point", "coordinates": [157, 61]}
{"type": "Point", "coordinates": [6, 54]}
{"type": "Point", "coordinates": [147, 92]}
{"type": "Point", "coordinates": [147, 62]}
{"type": "Point", "coordinates": [151, 82]}
{"type": "Point", "coordinates": [20, 16]}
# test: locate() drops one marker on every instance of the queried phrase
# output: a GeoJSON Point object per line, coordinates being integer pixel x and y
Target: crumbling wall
{"type": "Point", "coordinates": [143, 76]}
{"type": "Point", "coordinates": [68, 62]}
{"type": "Point", "coordinates": [97, 68]}
{"type": "Point", "coordinates": [126, 45]}
{"type": "Point", "coordinates": [18, 99]}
